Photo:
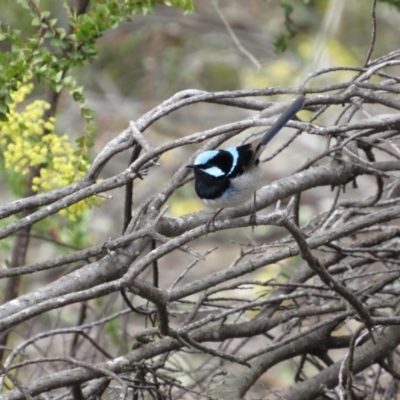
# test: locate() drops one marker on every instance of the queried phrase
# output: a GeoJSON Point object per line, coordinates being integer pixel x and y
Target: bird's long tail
{"type": "Point", "coordinates": [296, 106]}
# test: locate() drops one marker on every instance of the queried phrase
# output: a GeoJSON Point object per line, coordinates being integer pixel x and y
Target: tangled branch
{"type": "Point", "coordinates": [347, 281]}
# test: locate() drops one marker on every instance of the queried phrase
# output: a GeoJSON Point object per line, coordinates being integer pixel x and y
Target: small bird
{"type": "Point", "coordinates": [228, 178]}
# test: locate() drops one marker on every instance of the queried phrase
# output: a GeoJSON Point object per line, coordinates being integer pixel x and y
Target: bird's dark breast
{"type": "Point", "coordinates": [208, 186]}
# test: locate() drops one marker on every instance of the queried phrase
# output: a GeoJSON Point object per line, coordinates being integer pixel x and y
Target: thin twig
{"type": "Point", "coordinates": [234, 37]}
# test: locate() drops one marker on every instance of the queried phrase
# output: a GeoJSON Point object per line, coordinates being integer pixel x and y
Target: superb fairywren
{"type": "Point", "coordinates": [228, 178]}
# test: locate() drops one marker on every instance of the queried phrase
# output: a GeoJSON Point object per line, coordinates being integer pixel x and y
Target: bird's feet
{"type": "Point", "coordinates": [253, 220]}
{"type": "Point", "coordinates": [253, 215]}
{"type": "Point", "coordinates": [208, 224]}
{"type": "Point", "coordinates": [212, 220]}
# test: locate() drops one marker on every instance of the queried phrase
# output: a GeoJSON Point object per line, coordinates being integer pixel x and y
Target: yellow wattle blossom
{"type": "Point", "coordinates": [27, 140]}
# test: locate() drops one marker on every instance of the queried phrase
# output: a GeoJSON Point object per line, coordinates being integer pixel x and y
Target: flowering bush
{"type": "Point", "coordinates": [29, 140]}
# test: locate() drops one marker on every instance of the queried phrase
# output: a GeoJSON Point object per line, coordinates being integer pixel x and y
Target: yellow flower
{"type": "Point", "coordinates": [27, 140]}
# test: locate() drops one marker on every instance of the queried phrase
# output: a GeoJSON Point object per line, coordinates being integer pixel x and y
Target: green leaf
{"type": "Point", "coordinates": [91, 129]}
{"type": "Point", "coordinates": [89, 143]}
{"type": "Point", "coordinates": [62, 33]}
{"type": "Point", "coordinates": [36, 21]}
{"type": "Point", "coordinates": [87, 113]}
{"type": "Point", "coordinates": [58, 88]}
{"type": "Point", "coordinates": [280, 45]}
{"type": "Point", "coordinates": [58, 76]}
{"type": "Point", "coordinates": [77, 94]}
{"type": "Point", "coordinates": [48, 34]}
{"type": "Point", "coordinates": [53, 21]}
{"type": "Point", "coordinates": [80, 142]}
{"type": "Point", "coordinates": [68, 81]}
{"type": "Point", "coordinates": [3, 117]}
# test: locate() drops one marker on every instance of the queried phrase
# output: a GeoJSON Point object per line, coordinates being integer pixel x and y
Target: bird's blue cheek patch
{"type": "Point", "coordinates": [214, 171]}
{"type": "Point", "coordinates": [205, 157]}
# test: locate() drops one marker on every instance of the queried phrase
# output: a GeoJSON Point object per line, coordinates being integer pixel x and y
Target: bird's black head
{"type": "Point", "coordinates": [215, 163]}
{"type": "Point", "coordinates": [213, 169]}
{"type": "Point", "coordinates": [224, 163]}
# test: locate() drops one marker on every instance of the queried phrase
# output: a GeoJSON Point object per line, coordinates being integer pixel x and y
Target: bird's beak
{"type": "Point", "coordinates": [192, 166]}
